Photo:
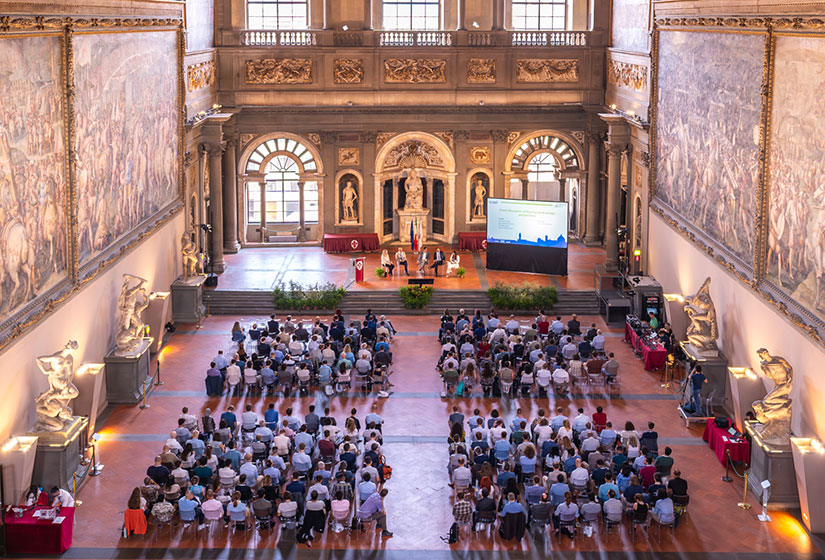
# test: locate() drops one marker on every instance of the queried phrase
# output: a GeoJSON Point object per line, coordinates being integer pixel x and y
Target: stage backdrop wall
{"type": "Point", "coordinates": [746, 321]}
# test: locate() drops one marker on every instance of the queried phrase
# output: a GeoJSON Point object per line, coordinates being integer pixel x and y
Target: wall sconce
{"type": "Point", "coordinates": [675, 297]}
{"type": "Point", "coordinates": [19, 444]}
{"type": "Point", "coordinates": [809, 462]}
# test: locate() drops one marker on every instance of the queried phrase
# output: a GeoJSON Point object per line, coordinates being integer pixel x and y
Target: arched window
{"type": "Point", "coordinates": [276, 14]}
{"type": "Point", "coordinates": [277, 200]}
{"type": "Point", "coordinates": [539, 15]}
{"type": "Point", "coordinates": [423, 15]}
{"type": "Point", "coordinates": [542, 168]}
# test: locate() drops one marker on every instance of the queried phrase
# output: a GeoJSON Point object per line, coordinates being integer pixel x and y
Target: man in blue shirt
{"type": "Point", "coordinates": [697, 379]}
{"type": "Point", "coordinates": [663, 510]}
{"type": "Point", "coordinates": [271, 416]}
{"type": "Point", "coordinates": [606, 487]}
{"type": "Point", "coordinates": [558, 420]}
{"type": "Point", "coordinates": [558, 490]}
{"type": "Point", "coordinates": [373, 510]}
{"type": "Point", "coordinates": [190, 508]}
{"type": "Point", "coordinates": [221, 362]}
{"type": "Point", "coordinates": [516, 423]}
{"type": "Point", "coordinates": [512, 506]}
{"type": "Point", "coordinates": [230, 418]}
{"type": "Point", "coordinates": [198, 446]}
{"type": "Point", "coordinates": [608, 436]}
{"type": "Point", "coordinates": [373, 416]}
{"type": "Point", "coordinates": [233, 456]}
{"type": "Point", "coordinates": [504, 476]}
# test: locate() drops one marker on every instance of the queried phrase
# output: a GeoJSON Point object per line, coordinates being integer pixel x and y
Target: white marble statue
{"type": "Point", "coordinates": [702, 331]}
{"type": "Point", "coordinates": [478, 202]}
{"type": "Point", "coordinates": [414, 191]}
{"type": "Point", "coordinates": [189, 253]}
{"type": "Point", "coordinates": [53, 406]}
{"type": "Point", "coordinates": [131, 303]}
{"type": "Point", "coordinates": [773, 412]}
{"type": "Point", "coordinates": [349, 200]}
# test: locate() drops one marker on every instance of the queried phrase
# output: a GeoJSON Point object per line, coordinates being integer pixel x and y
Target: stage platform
{"type": "Point", "coordinates": [264, 268]}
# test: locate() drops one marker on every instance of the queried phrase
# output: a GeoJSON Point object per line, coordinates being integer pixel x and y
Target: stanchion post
{"type": "Point", "coordinates": [74, 490]}
{"type": "Point", "coordinates": [145, 404]}
{"type": "Point", "coordinates": [727, 477]}
{"type": "Point", "coordinates": [744, 503]}
{"type": "Point", "coordinates": [158, 382]}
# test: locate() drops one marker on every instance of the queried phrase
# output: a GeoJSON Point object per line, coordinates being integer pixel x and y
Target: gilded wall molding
{"type": "Point", "coordinates": [480, 155]}
{"type": "Point", "coordinates": [760, 246]}
{"type": "Point", "coordinates": [279, 71]}
{"type": "Point", "coordinates": [481, 71]}
{"type": "Point", "coordinates": [626, 75]}
{"type": "Point", "coordinates": [200, 75]}
{"type": "Point", "coordinates": [546, 70]}
{"type": "Point", "coordinates": [45, 23]}
{"type": "Point", "coordinates": [778, 23]}
{"type": "Point", "coordinates": [448, 138]}
{"type": "Point", "coordinates": [382, 137]}
{"type": "Point", "coordinates": [348, 70]}
{"type": "Point", "coordinates": [415, 70]}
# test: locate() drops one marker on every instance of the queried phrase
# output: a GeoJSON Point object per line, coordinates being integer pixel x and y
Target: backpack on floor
{"type": "Point", "coordinates": [453, 536]}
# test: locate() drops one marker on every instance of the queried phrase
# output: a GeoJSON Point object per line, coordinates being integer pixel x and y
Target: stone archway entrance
{"type": "Point", "coordinates": [415, 184]}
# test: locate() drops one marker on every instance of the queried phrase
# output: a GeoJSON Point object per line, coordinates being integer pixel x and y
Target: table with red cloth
{"type": "Point", "coordinates": [719, 440]}
{"type": "Point", "coordinates": [350, 242]}
{"type": "Point", "coordinates": [654, 355]}
{"type": "Point", "coordinates": [29, 535]}
{"type": "Point", "coordinates": [472, 240]}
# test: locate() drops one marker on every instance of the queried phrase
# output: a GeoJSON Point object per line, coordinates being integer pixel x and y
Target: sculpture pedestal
{"type": "Point", "coordinates": [187, 295]}
{"type": "Point", "coordinates": [809, 460]}
{"type": "Point", "coordinates": [58, 454]}
{"type": "Point", "coordinates": [715, 367]}
{"type": "Point", "coordinates": [773, 462]}
{"type": "Point", "coordinates": [406, 217]}
{"type": "Point", "coordinates": [127, 374]}
{"type": "Point", "coordinates": [745, 388]}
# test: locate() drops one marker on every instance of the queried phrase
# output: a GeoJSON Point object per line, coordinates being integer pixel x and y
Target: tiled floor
{"type": "Point", "coordinates": [263, 268]}
{"type": "Point", "coordinates": [419, 506]}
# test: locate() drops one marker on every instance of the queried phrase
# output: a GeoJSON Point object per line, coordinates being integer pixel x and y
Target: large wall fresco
{"type": "Point", "coordinates": [127, 133]}
{"type": "Point", "coordinates": [629, 30]}
{"type": "Point", "coordinates": [796, 234]}
{"type": "Point", "coordinates": [707, 134]}
{"type": "Point", "coordinates": [34, 253]}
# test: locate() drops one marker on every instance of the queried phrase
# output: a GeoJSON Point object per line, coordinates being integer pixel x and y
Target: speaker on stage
{"type": "Point", "coordinates": [211, 281]}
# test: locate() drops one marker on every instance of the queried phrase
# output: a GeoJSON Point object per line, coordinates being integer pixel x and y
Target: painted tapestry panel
{"type": "Point", "coordinates": [34, 252]}
{"type": "Point", "coordinates": [707, 134]}
{"type": "Point", "coordinates": [127, 133]}
{"type": "Point", "coordinates": [796, 235]}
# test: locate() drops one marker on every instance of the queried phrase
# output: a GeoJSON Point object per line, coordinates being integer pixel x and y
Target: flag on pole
{"type": "Point", "coordinates": [412, 237]}
{"type": "Point", "coordinates": [417, 235]}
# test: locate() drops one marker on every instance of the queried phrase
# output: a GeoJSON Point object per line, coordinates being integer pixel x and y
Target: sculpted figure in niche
{"type": "Point", "coordinates": [774, 410]}
{"type": "Point", "coordinates": [53, 406]}
{"type": "Point", "coordinates": [702, 331]}
{"type": "Point", "coordinates": [414, 191]}
{"type": "Point", "coordinates": [132, 302]}
{"type": "Point", "coordinates": [349, 203]}
{"type": "Point", "coordinates": [189, 252]}
{"type": "Point", "coordinates": [479, 194]}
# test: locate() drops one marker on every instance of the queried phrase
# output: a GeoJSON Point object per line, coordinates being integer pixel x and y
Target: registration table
{"type": "Point", "coordinates": [721, 441]}
{"type": "Point", "coordinates": [472, 240]}
{"type": "Point", "coordinates": [653, 354]}
{"type": "Point", "coordinates": [29, 535]}
{"type": "Point", "coordinates": [350, 242]}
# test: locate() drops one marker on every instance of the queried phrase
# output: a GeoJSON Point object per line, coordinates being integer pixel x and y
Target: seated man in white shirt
{"type": "Point", "coordinates": [462, 476]}
{"type": "Point", "coordinates": [561, 379]}
{"type": "Point", "coordinates": [174, 445]}
{"type": "Point", "coordinates": [598, 341]}
{"type": "Point", "coordinates": [580, 477]}
{"type": "Point", "coordinates": [189, 421]}
{"type": "Point", "coordinates": [557, 326]}
{"type": "Point", "coordinates": [249, 419]}
{"type": "Point", "coordinates": [264, 432]}
{"type": "Point", "coordinates": [569, 350]}
{"type": "Point", "coordinates": [498, 335]}
{"type": "Point", "coordinates": [512, 325]}
{"type": "Point", "coordinates": [296, 347]}
{"type": "Point", "coordinates": [287, 509]}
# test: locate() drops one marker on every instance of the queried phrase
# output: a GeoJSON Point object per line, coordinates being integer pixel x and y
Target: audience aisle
{"type": "Point", "coordinates": [419, 504]}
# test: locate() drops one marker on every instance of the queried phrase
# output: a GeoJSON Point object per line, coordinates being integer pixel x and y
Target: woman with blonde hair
{"type": "Point", "coordinates": [237, 332]}
{"type": "Point", "coordinates": [386, 263]}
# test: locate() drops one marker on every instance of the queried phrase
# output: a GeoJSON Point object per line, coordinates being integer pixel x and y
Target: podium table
{"type": "Point", "coordinates": [29, 535]}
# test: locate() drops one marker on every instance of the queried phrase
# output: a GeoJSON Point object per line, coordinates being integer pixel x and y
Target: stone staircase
{"type": "Point", "coordinates": [259, 302]}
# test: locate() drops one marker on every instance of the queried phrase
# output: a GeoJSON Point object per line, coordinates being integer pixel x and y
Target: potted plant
{"type": "Point", "coordinates": [460, 272]}
{"type": "Point", "coordinates": [380, 272]}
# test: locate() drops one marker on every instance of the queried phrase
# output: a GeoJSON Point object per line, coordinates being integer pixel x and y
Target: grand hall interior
{"type": "Point", "coordinates": [393, 279]}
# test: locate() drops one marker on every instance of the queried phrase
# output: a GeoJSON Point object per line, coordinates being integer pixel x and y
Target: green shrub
{"type": "Point", "coordinates": [460, 272]}
{"type": "Point", "coordinates": [523, 297]}
{"type": "Point", "coordinates": [295, 296]}
{"type": "Point", "coordinates": [415, 297]}
{"type": "Point", "coordinates": [380, 272]}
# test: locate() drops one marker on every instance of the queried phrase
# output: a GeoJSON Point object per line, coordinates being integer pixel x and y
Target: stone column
{"type": "Point", "coordinates": [327, 14]}
{"type": "Point", "coordinates": [500, 150]}
{"type": "Point", "coordinates": [215, 152]}
{"type": "Point", "coordinates": [562, 191]}
{"type": "Point", "coordinates": [368, 24]}
{"type": "Point", "coordinates": [592, 210]}
{"type": "Point", "coordinates": [525, 182]}
{"type": "Point", "coordinates": [301, 224]}
{"type": "Point", "coordinates": [230, 200]}
{"type": "Point", "coordinates": [614, 189]}
{"type": "Point", "coordinates": [498, 15]}
{"type": "Point", "coordinates": [462, 15]}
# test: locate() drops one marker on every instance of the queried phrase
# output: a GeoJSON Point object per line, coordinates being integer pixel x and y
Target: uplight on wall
{"type": "Point", "coordinates": [19, 444]}
{"type": "Point", "coordinates": [675, 297]}
{"type": "Point", "coordinates": [745, 388]}
{"type": "Point", "coordinates": [809, 463]}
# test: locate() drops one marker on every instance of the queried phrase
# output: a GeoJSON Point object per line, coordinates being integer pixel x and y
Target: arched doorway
{"type": "Point", "coordinates": [544, 165]}
{"type": "Point", "coordinates": [282, 198]}
{"type": "Point", "coordinates": [421, 165]}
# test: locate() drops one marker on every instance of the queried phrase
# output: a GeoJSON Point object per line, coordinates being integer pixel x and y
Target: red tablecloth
{"type": "Point", "coordinates": [719, 440]}
{"type": "Point", "coordinates": [349, 242]}
{"type": "Point", "coordinates": [27, 535]}
{"type": "Point", "coordinates": [472, 240]}
{"type": "Point", "coordinates": [654, 357]}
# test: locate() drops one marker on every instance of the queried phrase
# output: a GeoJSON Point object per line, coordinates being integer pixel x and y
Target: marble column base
{"type": "Point", "coordinates": [186, 299]}
{"type": "Point", "coordinates": [58, 454]}
{"type": "Point", "coordinates": [773, 462]}
{"type": "Point", "coordinates": [128, 376]}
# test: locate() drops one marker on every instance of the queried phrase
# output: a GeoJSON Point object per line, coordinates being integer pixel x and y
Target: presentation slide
{"type": "Point", "coordinates": [527, 222]}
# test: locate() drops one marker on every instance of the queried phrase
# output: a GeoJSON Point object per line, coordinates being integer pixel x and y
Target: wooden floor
{"type": "Point", "coordinates": [419, 504]}
{"type": "Point", "coordinates": [263, 268]}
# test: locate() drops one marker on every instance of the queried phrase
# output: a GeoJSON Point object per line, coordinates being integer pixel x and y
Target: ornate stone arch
{"type": "Point", "coordinates": [565, 149]}
{"type": "Point", "coordinates": [267, 151]}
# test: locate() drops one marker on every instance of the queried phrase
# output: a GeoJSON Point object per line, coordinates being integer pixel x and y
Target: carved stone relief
{"type": "Point", "coordinates": [544, 70]}
{"type": "Point", "coordinates": [315, 138]}
{"type": "Point", "coordinates": [627, 76]}
{"type": "Point", "coordinates": [279, 71]}
{"type": "Point", "coordinates": [414, 154]}
{"type": "Point", "coordinates": [348, 71]}
{"type": "Point", "coordinates": [481, 71]}
{"type": "Point", "coordinates": [480, 154]}
{"type": "Point", "coordinates": [200, 75]}
{"type": "Point", "coordinates": [382, 137]}
{"type": "Point", "coordinates": [247, 138]}
{"type": "Point", "coordinates": [512, 137]}
{"type": "Point", "coordinates": [447, 137]}
{"type": "Point", "coordinates": [415, 70]}
{"type": "Point", "coordinates": [349, 156]}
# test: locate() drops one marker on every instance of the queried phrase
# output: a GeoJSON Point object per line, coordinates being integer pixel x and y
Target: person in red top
{"type": "Point", "coordinates": [543, 327]}
{"type": "Point", "coordinates": [647, 474]}
{"type": "Point", "coordinates": [599, 419]}
{"type": "Point", "coordinates": [326, 446]}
